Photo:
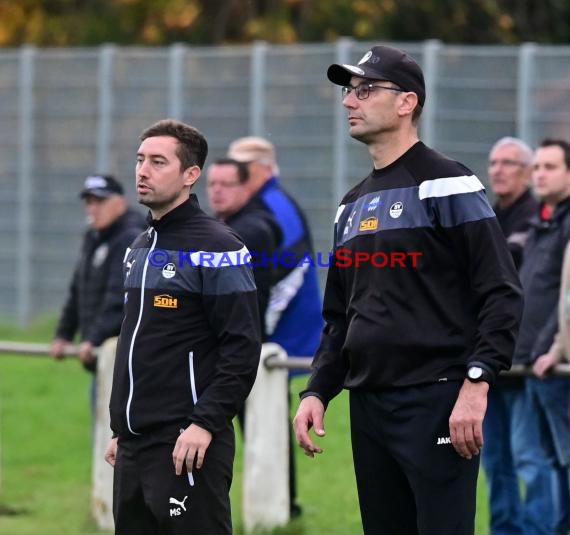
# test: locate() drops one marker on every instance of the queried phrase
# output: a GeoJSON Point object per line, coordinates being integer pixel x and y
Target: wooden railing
{"type": "Point", "coordinates": [266, 458]}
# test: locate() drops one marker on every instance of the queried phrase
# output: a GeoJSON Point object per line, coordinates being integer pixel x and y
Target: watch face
{"type": "Point", "coordinates": [475, 372]}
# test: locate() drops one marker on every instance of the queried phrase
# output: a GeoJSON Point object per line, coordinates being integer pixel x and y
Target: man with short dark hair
{"type": "Point", "coordinates": [188, 352]}
{"type": "Point", "coordinates": [542, 440]}
{"type": "Point", "coordinates": [417, 343]}
{"type": "Point", "coordinates": [94, 305]}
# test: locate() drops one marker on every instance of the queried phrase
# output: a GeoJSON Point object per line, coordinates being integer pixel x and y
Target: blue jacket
{"type": "Point", "coordinates": [294, 319]}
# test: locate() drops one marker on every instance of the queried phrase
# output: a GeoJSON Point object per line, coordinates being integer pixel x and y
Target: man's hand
{"type": "Point", "coordinates": [310, 413]}
{"type": "Point", "coordinates": [466, 420]}
{"type": "Point", "coordinates": [191, 444]}
{"type": "Point", "coordinates": [86, 353]}
{"type": "Point", "coordinates": [111, 452]}
{"type": "Point", "coordinates": [543, 364]}
{"type": "Point", "coordinates": [57, 348]}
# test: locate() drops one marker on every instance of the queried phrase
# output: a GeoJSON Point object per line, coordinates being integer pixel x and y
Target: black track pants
{"type": "Point", "coordinates": [150, 499]}
{"type": "Point", "coordinates": [410, 480]}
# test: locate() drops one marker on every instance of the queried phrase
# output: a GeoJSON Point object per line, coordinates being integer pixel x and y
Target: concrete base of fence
{"type": "Point", "coordinates": [102, 492]}
{"type": "Point", "coordinates": [266, 459]}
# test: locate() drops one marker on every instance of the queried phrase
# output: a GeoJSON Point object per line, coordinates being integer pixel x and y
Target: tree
{"type": "Point", "coordinates": [161, 22]}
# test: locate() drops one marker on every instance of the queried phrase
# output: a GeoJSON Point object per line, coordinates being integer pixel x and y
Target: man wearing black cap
{"type": "Point", "coordinates": [94, 305]}
{"type": "Point", "coordinates": [422, 307]}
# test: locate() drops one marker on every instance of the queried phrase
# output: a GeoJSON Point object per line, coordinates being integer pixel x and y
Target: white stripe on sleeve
{"type": "Point", "coordinates": [444, 187]}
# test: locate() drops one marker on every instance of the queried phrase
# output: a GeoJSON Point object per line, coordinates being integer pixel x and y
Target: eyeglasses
{"type": "Point", "coordinates": [506, 163]}
{"type": "Point", "coordinates": [223, 184]}
{"type": "Point", "coordinates": [362, 91]}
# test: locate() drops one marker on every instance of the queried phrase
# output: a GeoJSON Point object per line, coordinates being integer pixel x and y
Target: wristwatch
{"type": "Point", "coordinates": [476, 374]}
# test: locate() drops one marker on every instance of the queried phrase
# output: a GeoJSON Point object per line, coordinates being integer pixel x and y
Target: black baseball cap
{"type": "Point", "coordinates": [383, 63]}
{"type": "Point", "coordinates": [101, 186]}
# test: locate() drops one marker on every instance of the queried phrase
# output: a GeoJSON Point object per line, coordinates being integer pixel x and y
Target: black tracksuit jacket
{"type": "Point", "coordinates": [190, 341]}
{"type": "Point", "coordinates": [261, 234]}
{"type": "Point", "coordinates": [395, 326]}
{"type": "Point", "coordinates": [515, 222]}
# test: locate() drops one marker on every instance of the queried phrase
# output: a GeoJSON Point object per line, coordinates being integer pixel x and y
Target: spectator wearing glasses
{"type": "Point", "coordinates": [231, 201]}
{"type": "Point", "coordinates": [509, 171]}
{"type": "Point", "coordinates": [417, 344]}
{"type": "Point", "coordinates": [293, 318]}
{"type": "Point", "coordinates": [542, 442]}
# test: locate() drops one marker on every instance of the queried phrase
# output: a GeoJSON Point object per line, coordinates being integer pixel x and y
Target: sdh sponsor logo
{"type": "Point", "coordinates": [370, 223]}
{"type": "Point", "coordinates": [165, 301]}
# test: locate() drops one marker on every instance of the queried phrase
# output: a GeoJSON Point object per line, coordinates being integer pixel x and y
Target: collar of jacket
{"type": "Point", "coordinates": [271, 183]}
{"type": "Point", "coordinates": [114, 226]}
{"type": "Point", "coordinates": [519, 201]}
{"type": "Point", "coordinates": [181, 213]}
{"type": "Point", "coordinates": [560, 211]}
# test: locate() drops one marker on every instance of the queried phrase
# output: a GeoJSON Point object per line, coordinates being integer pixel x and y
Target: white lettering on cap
{"type": "Point", "coordinates": [365, 58]}
{"type": "Point", "coordinates": [354, 69]}
{"type": "Point", "coordinates": [95, 182]}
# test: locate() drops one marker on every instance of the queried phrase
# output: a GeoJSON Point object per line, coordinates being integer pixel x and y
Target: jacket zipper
{"type": "Point", "coordinates": [192, 376]}
{"type": "Point", "coordinates": [194, 399]}
{"type": "Point", "coordinates": [135, 331]}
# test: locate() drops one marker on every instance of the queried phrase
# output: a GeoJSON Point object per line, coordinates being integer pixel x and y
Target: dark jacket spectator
{"type": "Point", "coordinates": [94, 305]}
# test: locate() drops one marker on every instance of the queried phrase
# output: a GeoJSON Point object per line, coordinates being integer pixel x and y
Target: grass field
{"type": "Point", "coordinates": [45, 457]}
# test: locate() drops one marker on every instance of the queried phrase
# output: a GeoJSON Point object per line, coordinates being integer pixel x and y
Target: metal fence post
{"type": "Point", "coordinates": [24, 250]}
{"type": "Point", "coordinates": [257, 95]}
{"type": "Point", "coordinates": [431, 50]}
{"type": "Point", "coordinates": [340, 133]}
{"type": "Point", "coordinates": [176, 73]}
{"type": "Point", "coordinates": [104, 126]}
{"type": "Point", "coordinates": [526, 77]}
